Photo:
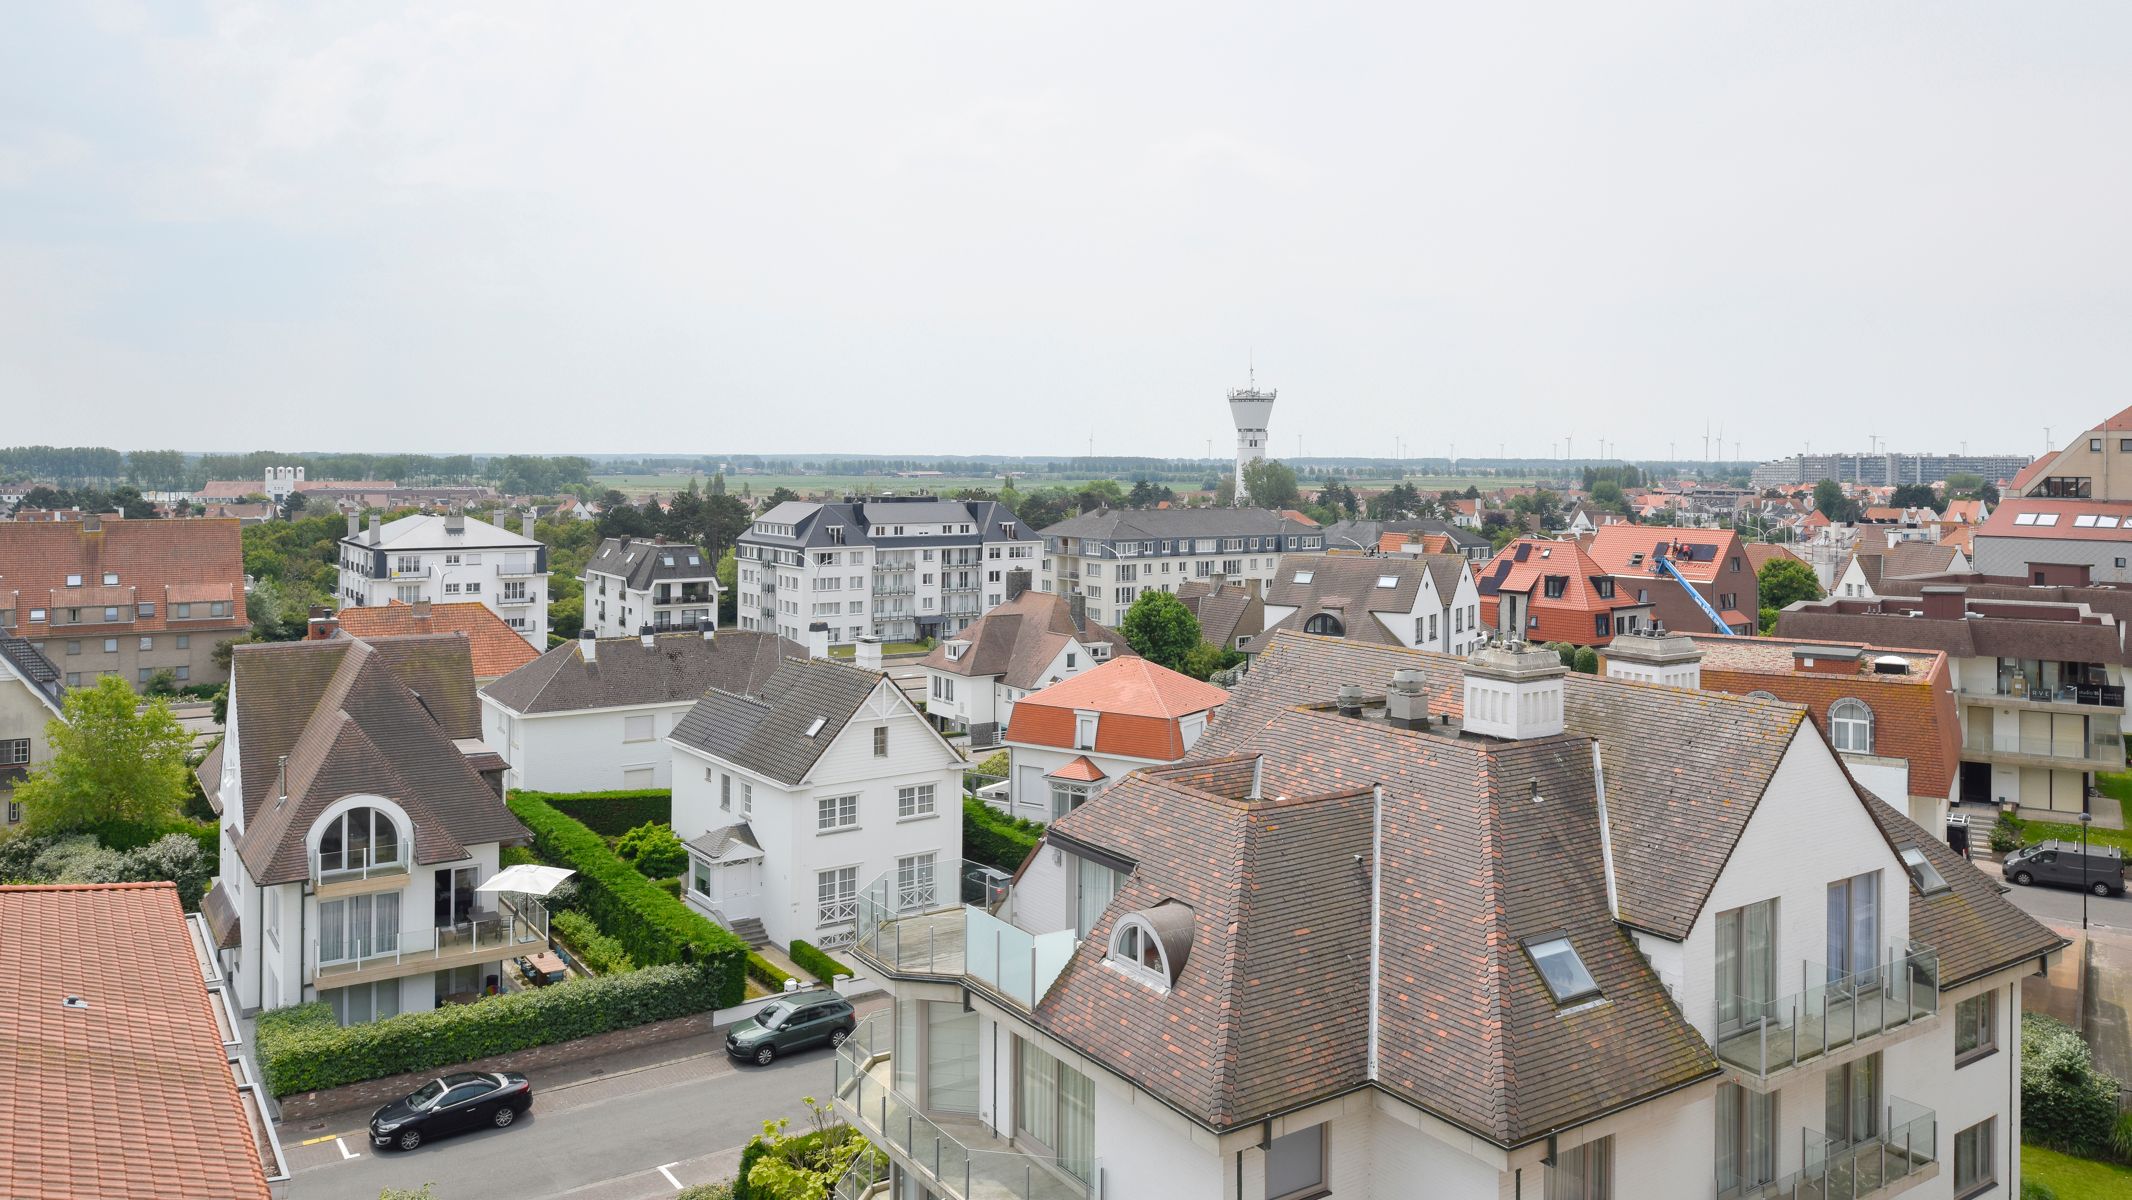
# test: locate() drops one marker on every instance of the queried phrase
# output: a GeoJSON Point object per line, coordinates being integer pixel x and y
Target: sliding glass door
{"type": "Point", "coordinates": [1746, 965]}
{"type": "Point", "coordinates": [1055, 1108]}
{"type": "Point", "coordinates": [358, 927]}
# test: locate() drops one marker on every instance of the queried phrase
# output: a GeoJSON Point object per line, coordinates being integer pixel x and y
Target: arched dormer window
{"type": "Point", "coordinates": [1850, 726]}
{"type": "Point", "coordinates": [1325, 624]}
{"type": "Point", "coordinates": [1761, 695]}
{"type": "Point", "coordinates": [354, 837]}
{"type": "Point", "coordinates": [1151, 945]}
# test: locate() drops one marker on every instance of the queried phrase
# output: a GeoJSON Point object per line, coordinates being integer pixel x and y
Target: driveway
{"type": "Point", "coordinates": [2108, 996]}
{"type": "Point", "coordinates": [641, 1132]}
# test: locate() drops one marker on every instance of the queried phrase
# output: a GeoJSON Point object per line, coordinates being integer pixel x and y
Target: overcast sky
{"type": "Point", "coordinates": [1008, 227]}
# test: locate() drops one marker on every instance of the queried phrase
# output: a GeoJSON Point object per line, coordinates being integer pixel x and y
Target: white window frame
{"type": "Point", "coordinates": [835, 814]}
{"type": "Point", "coordinates": [917, 882]}
{"type": "Point", "coordinates": [1850, 725]}
{"type": "Point", "coordinates": [1130, 941]}
{"type": "Point", "coordinates": [914, 800]}
{"type": "Point", "coordinates": [1301, 1144]}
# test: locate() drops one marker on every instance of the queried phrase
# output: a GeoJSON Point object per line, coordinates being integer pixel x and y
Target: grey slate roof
{"type": "Point", "coordinates": [1113, 524]}
{"type": "Point", "coordinates": [677, 667]}
{"type": "Point", "coordinates": [355, 717]}
{"type": "Point", "coordinates": [1344, 534]}
{"type": "Point", "coordinates": [811, 521]}
{"type": "Point", "coordinates": [641, 562]}
{"type": "Point", "coordinates": [1226, 611]}
{"type": "Point", "coordinates": [1345, 585]}
{"type": "Point", "coordinates": [769, 735]}
{"type": "Point", "coordinates": [714, 843]}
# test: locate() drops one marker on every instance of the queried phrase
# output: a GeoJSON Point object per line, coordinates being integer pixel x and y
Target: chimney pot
{"type": "Point", "coordinates": [648, 636]}
{"type": "Point", "coordinates": [1350, 701]}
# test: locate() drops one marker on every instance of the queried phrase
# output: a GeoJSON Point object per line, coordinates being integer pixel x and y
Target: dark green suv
{"type": "Point", "coordinates": [791, 1022]}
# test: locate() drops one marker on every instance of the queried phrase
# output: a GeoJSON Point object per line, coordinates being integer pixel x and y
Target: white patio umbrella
{"type": "Point", "coordinates": [528, 879]}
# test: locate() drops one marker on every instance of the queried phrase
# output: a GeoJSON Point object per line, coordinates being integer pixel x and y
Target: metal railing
{"type": "Point", "coordinates": [1829, 1012]}
{"type": "Point", "coordinates": [2099, 695]}
{"type": "Point", "coordinates": [363, 865]}
{"type": "Point", "coordinates": [467, 941]}
{"type": "Point", "coordinates": [1835, 1170]}
{"type": "Point", "coordinates": [953, 1159]}
{"type": "Point", "coordinates": [518, 566]}
{"type": "Point", "coordinates": [922, 931]}
{"type": "Point", "coordinates": [2106, 747]}
{"type": "Point", "coordinates": [514, 601]}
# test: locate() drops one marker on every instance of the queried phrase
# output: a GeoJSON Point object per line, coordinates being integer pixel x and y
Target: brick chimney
{"type": "Point", "coordinates": [421, 608]}
{"type": "Point", "coordinates": [322, 625]}
{"type": "Point", "coordinates": [1944, 602]}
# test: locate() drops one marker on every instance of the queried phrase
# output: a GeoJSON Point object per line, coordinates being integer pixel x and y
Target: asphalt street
{"type": "Point", "coordinates": [2061, 906]}
{"type": "Point", "coordinates": [606, 1138]}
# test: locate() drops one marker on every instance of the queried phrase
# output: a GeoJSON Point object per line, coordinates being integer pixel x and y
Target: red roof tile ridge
{"type": "Point", "coordinates": [88, 887]}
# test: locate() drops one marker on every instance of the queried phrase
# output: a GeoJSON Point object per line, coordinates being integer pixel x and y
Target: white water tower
{"type": "Point", "coordinates": [1251, 409]}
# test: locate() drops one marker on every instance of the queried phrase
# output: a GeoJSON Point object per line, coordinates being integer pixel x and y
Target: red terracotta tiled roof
{"type": "Point", "coordinates": [131, 1095]}
{"type": "Point", "coordinates": [2122, 421]}
{"type": "Point", "coordinates": [1141, 704]}
{"type": "Point", "coordinates": [498, 649]}
{"type": "Point", "coordinates": [1617, 547]}
{"type": "Point", "coordinates": [1523, 568]}
{"type": "Point", "coordinates": [2027, 475]}
{"type": "Point", "coordinates": [2073, 520]}
{"type": "Point", "coordinates": [157, 563]}
{"type": "Point", "coordinates": [1080, 770]}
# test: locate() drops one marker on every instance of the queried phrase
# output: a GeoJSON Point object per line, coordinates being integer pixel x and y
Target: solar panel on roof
{"type": "Point", "coordinates": [1524, 548]}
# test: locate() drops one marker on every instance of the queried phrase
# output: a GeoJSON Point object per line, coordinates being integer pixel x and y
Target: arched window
{"type": "Point", "coordinates": [1151, 946]}
{"type": "Point", "coordinates": [360, 838]}
{"type": "Point", "coordinates": [1761, 695]}
{"type": "Point", "coordinates": [1326, 624]}
{"type": "Point", "coordinates": [1850, 726]}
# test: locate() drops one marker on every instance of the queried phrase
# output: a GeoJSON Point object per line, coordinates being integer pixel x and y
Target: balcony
{"type": "Point", "coordinates": [1882, 1165]}
{"type": "Point", "coordinates": [917, 932]}
{"type": "Point", "coordinates": [512, 566]}
{"type": "Point", "coordinates": [487, 938]}
{"type": "Point", "coordinates": [957, 1157]}
{"type": "Point", "coordinates": [364, 869]}
{"type": "Point", "coordinates": [1762, 1038]}
{"type": "Point", "coordinates": [2103, 751]}
{"type": "Point", "coordinates": [2069, 698]}
{"type": "Point", "coordinates": [892, 588]}
{"type": "Point", "coordinates": [515, 601]}
{"type": "Point", "coordinates": [685, 594]}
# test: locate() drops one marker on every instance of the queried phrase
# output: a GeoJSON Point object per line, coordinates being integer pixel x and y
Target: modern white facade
{"type": "Point", "coordinates": [635, 583]}
{"type": "Point", "coordinates": [784, 826]}
{"type": "Point", "coordinates": [1113, 556]}
{"type": "Point", "coordinates": [445, 559]}
{"type": "Point", "coordinates": [897, 568]}
{"type": "Point", "coordinates": [1031, 641]}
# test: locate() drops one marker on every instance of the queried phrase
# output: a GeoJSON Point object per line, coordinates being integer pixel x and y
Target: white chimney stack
{"type": "Point", "coordinates": [1655, 656]}
{"type": "Point", "coordinates": [588, 645]}
{"type": "Point", "coordinates": [818, 640]}
{"type": "Point", "coordinates": [868, 653]}
{"type": "Point", "coordinates": [1514, 691]}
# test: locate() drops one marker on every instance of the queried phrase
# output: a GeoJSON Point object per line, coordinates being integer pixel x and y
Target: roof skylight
{"type": "Point", "coordinates": [816, 727]}
{"type": "Point", "coordinates": [2024, 518]}
{"type": "Point", "coordinates": [1388, 581]}
{"type": "Point", "coordinates": [1922, 872]}
{"type": "Point", "coordinates": [1305, 576]}
{"type": "Point", "coordinates": [2046, 518]}
{"type": "Point", "coordinates": [1563, 971]}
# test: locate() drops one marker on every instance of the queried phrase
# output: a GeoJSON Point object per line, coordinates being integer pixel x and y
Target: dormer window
{"type": "Point", "coordinates": [1084, 730]}
{"type": "Point", "coordinates": [1922, 873]}
{"type": "Point", "coordinates": [1151, 946]}
{"type": "Point", "coordinates": [955, 649]}
{"type": "Point", "coordinates": [1562, 970]}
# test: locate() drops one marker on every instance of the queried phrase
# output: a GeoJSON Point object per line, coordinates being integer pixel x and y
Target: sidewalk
{"type": "Point", "coordinates": [2058, 994]}
{"type": "Point", "coordinates": [2109, 994]}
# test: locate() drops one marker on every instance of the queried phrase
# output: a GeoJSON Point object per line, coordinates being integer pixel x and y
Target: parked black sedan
{"type": "Point", "coordinates": [467, 1100]}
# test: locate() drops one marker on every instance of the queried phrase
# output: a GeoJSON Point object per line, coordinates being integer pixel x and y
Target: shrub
{"type": "Point", "coordinates": [707, 1191]}
{"type": "Point", "coordinates": [80, 858]}
{"type": "Point", "coordinates": [1585, 661]}
{"type": "Point", "coordinates": [820, 965]}
{"type": "Point", "coordinates": [654, 850]}
{"type": "Point", "coordinates": [2031, 1190]}
{"type": "Point", "coordinates": [776, 1165]}
{"type": "Point", "coordinates": [517, 856]}
{"type": "Point", "coordinates": [766, 973]}
{"type": "Point", "coordinates": [302, 1050]}
{"type": "Point", "coordinates": [612, 814]}
{"type": "Point", "coordinates": [651, 925]}
{"type": "Point", "coordinates": [2121, 1137]}
{"type": "Point", "coordinates": [2066, 1104]}
{"type": "Point", "coordinates": [2005, 835]}
{"type": "Point", "coordinates": [671, 885]}
{"type": "Point", "coordinates": [995, 839]}
{"type": "Point", "coordinates": [601, 954]}
{"type": "Point", "coordinates": [994, 763]}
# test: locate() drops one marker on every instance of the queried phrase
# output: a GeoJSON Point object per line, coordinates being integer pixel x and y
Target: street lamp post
{"type": "Point", "coordinates": [2085, 817]}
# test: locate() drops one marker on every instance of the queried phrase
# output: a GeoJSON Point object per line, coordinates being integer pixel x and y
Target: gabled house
{"type": "Point", "coordinates": [632, 584]}
{"type": "Point", "coordinates": [1071, 740]}
{"type": "Point", "coordinates": [360, 813]}
{"type": "Point", "coordinates": [792, 797]}
{"type": "Point", "coordinates": [1548, 591]}
{"type": "Point", "coordinates": [1429, 602]}
{"type": "Point", "coordinates": [1862, 572]}
{"type": "Point", "coordinates": [1712, 561]}
{"type": "Point", "coordinates": [1229, 612]}
{"type": "Point", "coordinates": [446, 558]}
{"type": "Point", "coordinates": [594, 714]}
{"type": "Point", "coordinates": [1032, 640]}
{"type": "Point", "coordinates": [30, 699]}
{"type": "Point", "coordinates": [1483, 929]}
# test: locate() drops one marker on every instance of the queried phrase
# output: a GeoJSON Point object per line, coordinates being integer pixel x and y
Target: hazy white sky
{"type": "Point", "coordinates": [1004, 227]}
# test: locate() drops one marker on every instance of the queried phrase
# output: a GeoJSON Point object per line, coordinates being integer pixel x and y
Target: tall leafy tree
{"type": "Point", "coordinates": [1161, 630]}
{"type": "Point", "coordinates": [1270, 483]}
{"type": "Point", "coordinates": [1786, 581]}
{"type": "Point", "coordinates": [112, 761]}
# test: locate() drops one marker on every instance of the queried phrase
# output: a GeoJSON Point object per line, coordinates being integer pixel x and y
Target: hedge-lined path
{"type": "Point", "coordinates": [600, 1129]}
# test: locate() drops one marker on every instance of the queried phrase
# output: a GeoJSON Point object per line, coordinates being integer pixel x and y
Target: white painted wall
{"type": "Point", "coordinates": [580, 751]}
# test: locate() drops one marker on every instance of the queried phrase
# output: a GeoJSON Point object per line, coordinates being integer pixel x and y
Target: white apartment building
{"type": "Point", "coordinates": [897, 568]}
{"type": "Point", "coordinates": [594, 714]}
{"type": "Point", "coordinates": [360, 815]}
{"type": "Point", "coordinates": [448, 558]}
{"type": "Point", "coordinates": [1421, 601]}
{"type": "Point", "coordinates": [1410, 925]}
{"type": "Point", "coordinates": [632, 584]}
{"type": "Point", "coordinates": [790, 798]}
{"type": "Point", "coordinates": [1113, 555]}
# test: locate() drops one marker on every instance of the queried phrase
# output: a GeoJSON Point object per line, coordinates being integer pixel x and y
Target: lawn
{"type": "Point", "coordinates": [2072, 1178]}
{"type": "Point", "coordinates": [2116, 791]}
{"type": "Point", "coordinates": [886, 648]}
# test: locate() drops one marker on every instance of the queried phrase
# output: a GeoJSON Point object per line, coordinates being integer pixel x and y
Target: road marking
{"type": "Point", "coordinates": [346, 1153]}
{"type": "Point", "coordinates": [328, 1137]}
{"type": "Point", "coordinates": [670, 1175]}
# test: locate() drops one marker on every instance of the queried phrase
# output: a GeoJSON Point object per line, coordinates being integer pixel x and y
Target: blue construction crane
{"type": "Point", "coordinates": [1661, 564]}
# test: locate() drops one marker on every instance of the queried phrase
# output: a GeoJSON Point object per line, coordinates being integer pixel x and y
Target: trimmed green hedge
{"type": "Point", "coordinates": [995, 839]}
{"type": "Point", "coordinates": [820, 965]}
{"type": "Point", "coordinates": [601, 954]}
{"type": "Point", "coordinates": [766, 973]}
{"type": "Point", "coordinates": [612, 814]}
{"type": "Point", "coordinates": [2066, 1103]}
{"type": "Point", "coordinates": [651, 925]}
{"type": "Point", "coordinates": [302, 1050]}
